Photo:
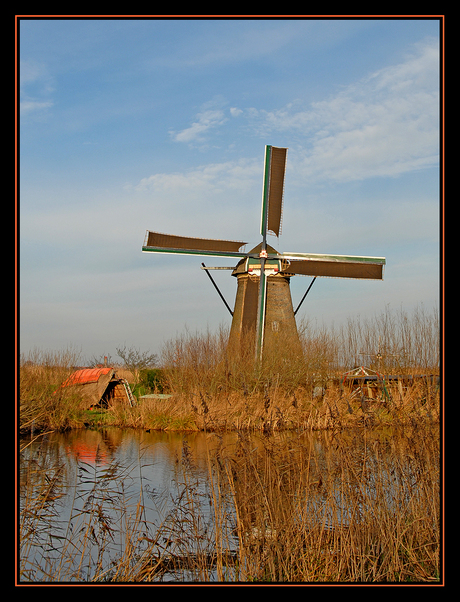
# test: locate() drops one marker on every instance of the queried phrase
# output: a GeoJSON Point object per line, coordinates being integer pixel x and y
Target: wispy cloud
{"type": "Point", "coordinates": [212, 115]}
{"type": "Point", "coordinates": [36, 87]}
{"type": "Point", "coordinates": [230, 175]}
{"type": "Point", "coordinates": [205, 121]}
{"type": "Point", "coordinates": [384, 125]}
{"type": "Point", "coordinates": [30, 106]}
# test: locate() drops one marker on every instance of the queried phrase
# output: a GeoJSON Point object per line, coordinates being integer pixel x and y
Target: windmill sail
{"type": "Point", "coordinates": [156, 242]}
{"type": "Point", "coordinates": [272, 198]}
{"type": "Point", "coordinates": [263, 303]}
{"type": "Point", "coordinates": [261, 309]}
{"type": "Point", "coordinates": [334, 266]}
{"type": "Point", "coordinates": [272, 202]}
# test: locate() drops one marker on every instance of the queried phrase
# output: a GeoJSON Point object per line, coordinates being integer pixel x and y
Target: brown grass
{"type": "Point", "coordinates": [43, 403]}
{"type": "Point", "coordinates": [360, 510]}
{"type": "Point", "coordinates": [352, 507]}
{"type": "Point", "coordinates": [272, 410]}
{"type": "Point", "coordinates": [215, 388]}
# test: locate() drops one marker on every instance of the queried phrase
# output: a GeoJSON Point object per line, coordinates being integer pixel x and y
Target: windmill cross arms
{"type": "Point", "coordinates": [333, 266]}
{"type": "Point", "coordinates": [156, 242]}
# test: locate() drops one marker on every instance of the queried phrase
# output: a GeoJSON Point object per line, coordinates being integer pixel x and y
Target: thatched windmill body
{"type": "Point", "coordinates": [263, 306]}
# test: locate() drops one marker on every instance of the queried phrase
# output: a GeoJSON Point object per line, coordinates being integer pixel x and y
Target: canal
{"type": "Point", "coordinates": [126, 504]}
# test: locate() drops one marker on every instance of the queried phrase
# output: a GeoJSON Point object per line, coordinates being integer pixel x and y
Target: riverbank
{"type": "Point", "coordinates": [333, 409]}
{"type": "Point", "coordinates": [214, 388]}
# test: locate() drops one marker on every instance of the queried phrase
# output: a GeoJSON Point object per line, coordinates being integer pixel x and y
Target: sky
{"type": "Point", "coordinates": [128, 125]}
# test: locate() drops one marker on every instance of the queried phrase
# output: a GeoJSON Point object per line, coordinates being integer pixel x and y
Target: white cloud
{"type": "Point", "coordinates": [384, 125]}
{"type": "Point", "coordinates": [205, 120]}
{"type": "Point", "coordinates": [212, 115]}
{"type": "Point", "coordinates": [234, 112]}
{"type": "Point", "coordinates": [215, 177]}
{"type": "Point", "coordinates": [36, 87]}
{"type": "Point", "coordinates": [29, 106]}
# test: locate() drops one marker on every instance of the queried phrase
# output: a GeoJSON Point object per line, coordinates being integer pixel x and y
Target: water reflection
{"type": "Point", "coordinates": [89, 496]}
{"type": "Point", "coordinates": [106, 483]}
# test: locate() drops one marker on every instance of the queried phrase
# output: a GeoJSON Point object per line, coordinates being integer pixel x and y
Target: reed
{"type": "Point", "coordinates": [354, 507]}
{"type": "Point", "coordinates": [216, 388]}
{"type": "Point", "coordinates": [360, 511]}
{"type": "Point", "coordinates": [391, 342]}
{"type": "Point", "coordinates": [43, 403]}
{"type": "Point", "coordinates": [364, 506]}
{"type": "Point", "coordinates": [77, 549]}
{"type": "Point", "coordinates": [394, 340]}
{"type": "Point", "coordinates": [106, 536]}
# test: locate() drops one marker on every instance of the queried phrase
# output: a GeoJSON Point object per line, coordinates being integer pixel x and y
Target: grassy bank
{"type": "Point", "coordinates": [270, 409]}
{"type": "Point", "coordinates": [216, 388]}
{"type": "Point", "coordinates": [273, 410]}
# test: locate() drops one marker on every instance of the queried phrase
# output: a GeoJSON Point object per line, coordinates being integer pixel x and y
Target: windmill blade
{"type": "Point", "coordinates": [273, 188]}
{"type": "Point", "coordinates": [156, 242]}
{"type": "Point", "coordinates": [261, 310]}
{"type": "Point", "coordinates": [334, 266]}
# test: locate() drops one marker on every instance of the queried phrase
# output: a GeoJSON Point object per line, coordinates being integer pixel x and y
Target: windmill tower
{"type": "Point", "coordinates": [263, 306]}
{"type": "Point", "coordinates": [276, 319]}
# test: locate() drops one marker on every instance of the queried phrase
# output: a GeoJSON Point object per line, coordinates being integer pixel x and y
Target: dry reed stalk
{"type": "Point", "coordinates": [200, 366]}
{"type": "Point", "coordinates": [291, 523]}
{"type": "Point", "coordinates": [215, 389]}
{"type": "Point", "coordinates": [43, 404]}
{"type": "Point", "coordinates": [274, 410]}
{"type": "Point", "coordinates": [354, 506]}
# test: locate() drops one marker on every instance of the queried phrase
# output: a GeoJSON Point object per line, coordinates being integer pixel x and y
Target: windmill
{"type": "Point", "coordinates": [263, 302]}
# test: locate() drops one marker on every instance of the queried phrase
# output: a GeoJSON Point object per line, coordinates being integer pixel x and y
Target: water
{"type": "Point", "coordinates": [117, 500]}
{"type": "Point", "coordinates": [104, 485]}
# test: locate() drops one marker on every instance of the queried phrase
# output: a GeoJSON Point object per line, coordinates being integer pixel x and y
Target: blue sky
{"type": "Point", "coordinates": [128, 125]}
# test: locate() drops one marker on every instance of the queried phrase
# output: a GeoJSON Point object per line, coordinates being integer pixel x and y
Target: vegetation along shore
{"type": "Point", "coordinates": [202, 385]}
{"type": "Point", "coordinates": [318, 467]}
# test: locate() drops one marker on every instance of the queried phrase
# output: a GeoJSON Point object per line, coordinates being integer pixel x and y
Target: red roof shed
{"type": "Point", "coordinates": [86, 375]}
{"type": "Point", "coordinates": [99, 386]}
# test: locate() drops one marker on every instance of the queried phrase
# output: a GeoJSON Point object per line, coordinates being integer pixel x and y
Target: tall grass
{"type": "Point", "coordinates": [214, 387]}
{"type": "Point", "coordinates": [43, 403]}
{"type": "Point", "coordinates": [406, 342]}
{"type": "Point", "coordinates": [203, 361]}
{"type": "Point", "coordinates": [361, 510]}
{"type": "Point", "coordinates": [355, 507]}
{"type": "Point", "coordinates": [223, 389]}
{"type": "Point", "coordinates": [391, 341]}
{"type": "Point", "coordinates": [75, 545]}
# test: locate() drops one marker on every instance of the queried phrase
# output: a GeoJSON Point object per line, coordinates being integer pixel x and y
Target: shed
{"type": "Point", "coordinates": [100, 387]}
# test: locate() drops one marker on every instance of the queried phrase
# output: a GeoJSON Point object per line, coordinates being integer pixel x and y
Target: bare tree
{"type": "Point", "coordinates": [136, 360]}
{"type": "Point", "coordinates": [102, 360]}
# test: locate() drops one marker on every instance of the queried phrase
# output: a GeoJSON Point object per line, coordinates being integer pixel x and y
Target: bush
{"type": "Point", "coordinates": [153, 379]}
